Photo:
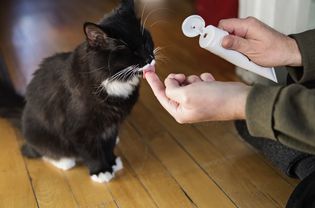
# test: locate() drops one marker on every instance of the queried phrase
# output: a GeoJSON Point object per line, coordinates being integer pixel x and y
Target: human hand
{"type": "Point", "coordinates": [196, 99]}
{"type": "Point", "coordinates": [260, 43]}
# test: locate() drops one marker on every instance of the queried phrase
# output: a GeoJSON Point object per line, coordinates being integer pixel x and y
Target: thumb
{"type": "Point", "coordinates": [236, 43]}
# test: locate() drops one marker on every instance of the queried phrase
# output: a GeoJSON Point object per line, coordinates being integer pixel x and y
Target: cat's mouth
{"type": "Point", "coordinates": [148, 68]}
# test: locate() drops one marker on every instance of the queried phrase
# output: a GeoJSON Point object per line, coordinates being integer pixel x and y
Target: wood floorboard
{"type": "Point", "coordinates": [15, 186]}
{"type": "Point", "coordinates": [128, 191]}
{"type": "Point", "coordinates": [86, 192]}
{"type": "Point", "coordinates": [157, 180]}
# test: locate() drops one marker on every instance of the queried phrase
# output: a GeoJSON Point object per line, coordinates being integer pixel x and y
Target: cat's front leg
{"type": "Point", "coordinates": [100, 171]}
{"type": "Point", "coordinates": [101, 174]}
{"type": "Point", "coordinates": [114, 161]}
{"type": "Point", "coordinates": [95, 158]}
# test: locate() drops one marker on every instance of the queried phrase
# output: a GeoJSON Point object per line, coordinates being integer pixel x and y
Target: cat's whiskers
{"type": "Point", "coordinates": [98, 90]}
{"type": "Point", "coordinates": [151, 13]}
{"type": "Point", "coordinates": [163, 60]}
{"type": "Point", "coordinates": [142, 15]}
{"type": "Point", "coordinates": [117, 76]}
{"type": "Point", "coordinates": [123, 73]}
{"type": "Point", "coordinates": [130, 73]}
{"type": "Point", "coordinates": [158, 22]}
{"type": "Point", "coordinates": [120, 73]}
{"type": "Point", "coordinates": [157, 49]}
{"type": "Point", "coordinates": [95, 70]}
{"type": "Point", "coordinates": [159, 56]}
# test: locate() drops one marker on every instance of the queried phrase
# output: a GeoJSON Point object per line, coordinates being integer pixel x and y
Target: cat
{"type": "Point", "coordinates": [77, 101]}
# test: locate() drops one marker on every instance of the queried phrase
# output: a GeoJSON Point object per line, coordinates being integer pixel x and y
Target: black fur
{"type": "Point", "coordinates": [67, 114]}
{"type": "Point", "coordinates": [29, 151]}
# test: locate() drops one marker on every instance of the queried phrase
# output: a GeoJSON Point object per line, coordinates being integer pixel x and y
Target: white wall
{"type": "Point", "coordinates": [312, 15]}
{"type": "Point", "coordinates": [287, 16]}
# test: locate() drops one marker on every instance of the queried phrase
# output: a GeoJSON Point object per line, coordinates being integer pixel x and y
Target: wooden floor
{"type": "Point", "coordinates": [166, 164]}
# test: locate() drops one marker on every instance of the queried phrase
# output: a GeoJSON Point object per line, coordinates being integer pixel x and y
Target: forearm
{"type": "Point", "coordinates": [239, 102]}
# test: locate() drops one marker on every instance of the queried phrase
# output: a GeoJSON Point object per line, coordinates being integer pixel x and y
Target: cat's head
{"type": "Point", "coordinates": [120, 42]}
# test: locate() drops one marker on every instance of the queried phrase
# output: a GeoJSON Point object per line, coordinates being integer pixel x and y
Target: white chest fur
{"type": "Point", "coordinates": [120, 88]}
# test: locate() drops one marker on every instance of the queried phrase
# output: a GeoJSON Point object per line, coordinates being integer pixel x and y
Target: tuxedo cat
{"type": "Point", "coordinates": [77, 101]}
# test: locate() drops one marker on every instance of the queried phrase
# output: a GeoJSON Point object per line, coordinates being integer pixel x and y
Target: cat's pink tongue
{"type": "Point", "coordinates": [148, 68]}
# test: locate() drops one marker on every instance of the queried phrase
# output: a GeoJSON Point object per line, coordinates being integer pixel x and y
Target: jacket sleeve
{"type": "Point", "coordinates": [306, 43]}
{"type": "Point", "coordinates": [287, 113]}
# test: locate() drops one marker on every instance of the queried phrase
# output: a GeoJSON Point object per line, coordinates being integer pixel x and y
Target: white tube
{"type": "Point", "coordinates": [211, 39]}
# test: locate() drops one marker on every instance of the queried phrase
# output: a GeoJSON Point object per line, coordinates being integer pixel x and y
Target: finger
{"type": "Point", "coordinates": [207, 77]}
{"type": "Point", "coordinates": [171, 75]}
{"type": "Point", "coordinates": [235, 26]}
{"type": "Point", "coordinates": [159, 91]}
{"type": "Point", "coordinates": [193, 79]}
{"type": "Point", "coordinates": [172, 83]}
{"type": "Point", "coordinates": [236, 43]}
{"type": "Point", "coordinates": [173, 90]}
{"type": "Point", "coordinates": [181, 78]}
{"type": "Point", "coordinates": [155, 84]}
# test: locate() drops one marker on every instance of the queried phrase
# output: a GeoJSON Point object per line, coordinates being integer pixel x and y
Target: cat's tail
{"type": "Point", "coordinates": [29, 151]}
{"type": "Point", "coordinates": [11, 105]}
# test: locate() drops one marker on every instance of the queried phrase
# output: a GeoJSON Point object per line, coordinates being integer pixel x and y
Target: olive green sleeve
{"type": "Point", "coordinates": [306, 44]}
{"type": "Point", "coordinates": [287, 113]}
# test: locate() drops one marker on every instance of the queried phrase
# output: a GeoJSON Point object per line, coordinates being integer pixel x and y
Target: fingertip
{"type": "Point", "coordinates": [180, 77]}
{"type": "Point", "coordinates": [227, 42]}
{"type": "Point", "coordinates": [171, 76]}
{"type": "Point", "coordinates": [207, 77]}
{"type": "Point", "coordinates": [221, 24]}
{"type": "Point", "coordinates": [193, 79]}
{"type": "Point", "coordinates": [171, 83]}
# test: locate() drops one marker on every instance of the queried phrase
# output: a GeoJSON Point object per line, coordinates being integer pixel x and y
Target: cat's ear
{"type": "Point", "coordinates": [94, 34]}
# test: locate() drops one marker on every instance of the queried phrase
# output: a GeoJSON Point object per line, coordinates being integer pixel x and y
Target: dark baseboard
{"type": "Point", "coordinates": [8, 97]}
{"type": "Point", "coordinates": [4, 74]}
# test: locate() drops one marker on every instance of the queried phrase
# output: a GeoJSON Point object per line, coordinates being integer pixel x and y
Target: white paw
{"type": "Point", "coordinates": [103, 177]}
{"type": "Point", "coordinates": [117, 140]}
{"type": "Point", "coordinates": [119, 165]}
{"type": "Point", "coordinates": [63, 163]}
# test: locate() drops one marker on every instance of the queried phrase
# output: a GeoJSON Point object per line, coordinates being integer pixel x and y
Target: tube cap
{"type": "Point", "coordinates": [193, 26]}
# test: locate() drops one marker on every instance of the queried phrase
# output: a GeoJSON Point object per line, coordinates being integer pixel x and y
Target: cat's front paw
{"type": "Point", "coordinates": [103, 177]}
